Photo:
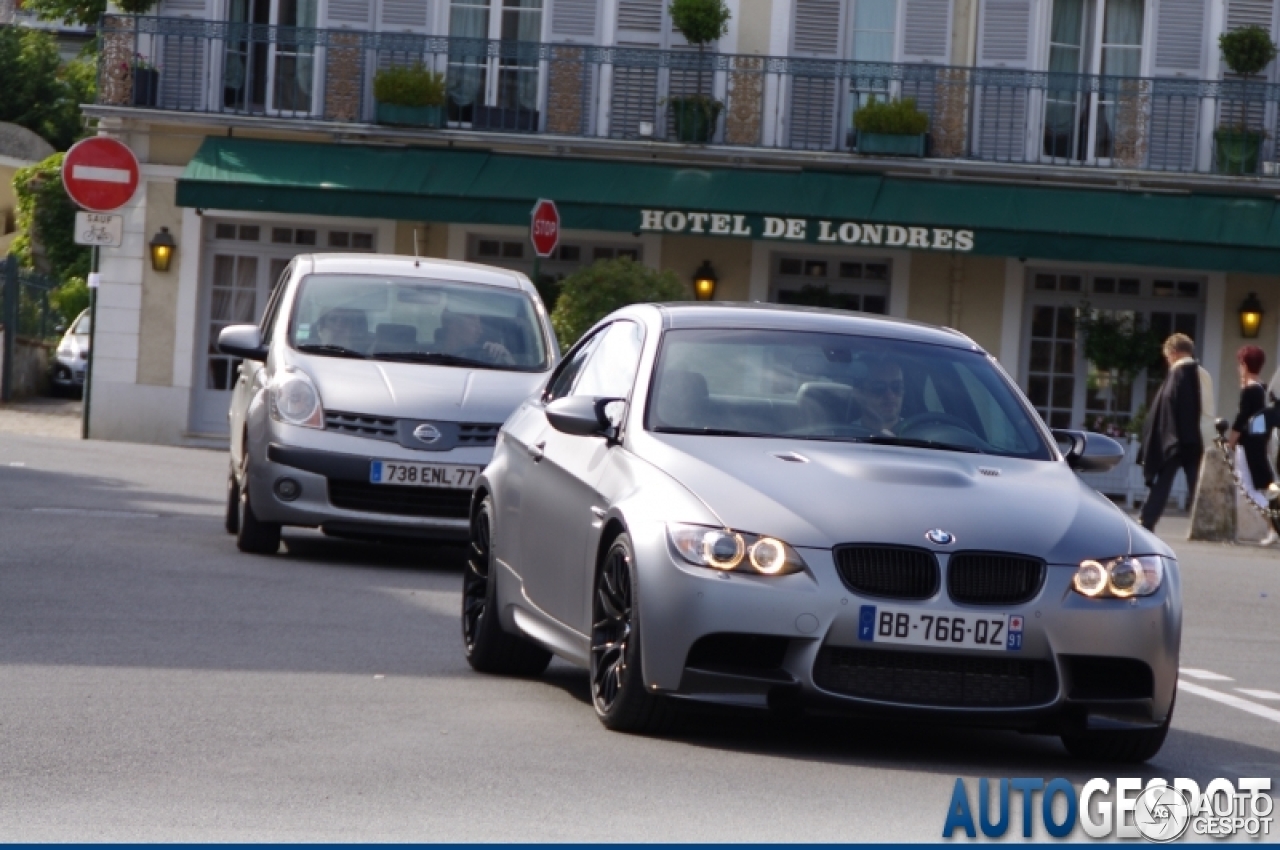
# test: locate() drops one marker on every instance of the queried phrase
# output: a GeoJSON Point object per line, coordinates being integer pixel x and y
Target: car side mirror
{"type": "Point", "coordinates": [582, 416]}
{"type": "Point", "coordinates": [1087, 451]}
{"type": "Point", "coordinates": [242, 341]}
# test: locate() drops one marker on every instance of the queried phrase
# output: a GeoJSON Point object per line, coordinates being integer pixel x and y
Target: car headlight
{"type": "Point", "coordinates": [725, 549]}
{"type": "Point", "coordinates": [294, 400]}
{"type": "Point", "coordinates": [1119, 578]}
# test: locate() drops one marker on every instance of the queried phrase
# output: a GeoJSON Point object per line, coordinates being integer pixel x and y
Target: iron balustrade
{"type": "Point", "coordinates": [718, 99]}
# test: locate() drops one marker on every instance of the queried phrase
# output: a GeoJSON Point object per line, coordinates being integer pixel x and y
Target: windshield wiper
{"type": "Point", "coordinates": [886, 440]}
{"type": "Point", "coordinates": [438, 358]}
{"type": "Point", "coordinates": [712, 432]}
{"type": "Point", "coordinates": [330, 350]}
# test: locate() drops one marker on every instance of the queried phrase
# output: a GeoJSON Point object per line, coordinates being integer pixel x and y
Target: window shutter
{"type": "Point", "coordinates": [1179, 38]}
{"type": "Point", "coordinates": [405, 16]}
{"type": "Point", "coordinates": [1004, 35]}
{"type": "Point", "coordinates": [926, 34]}
{"type": "Point", "coordinates": [815, 96]}
{"type": "Point", "coordinates": [635, 85]}
{"type": "Point", "coordinates": [349, 14]}
{"type": "Point", "coordinates": [575, 21]}
{"type": "Point", "coordinates": [1005, 39]}
{"type": "Point", "coordinates": [1247, 13]}
{"type": "Point", "coordinates": [185, 57]}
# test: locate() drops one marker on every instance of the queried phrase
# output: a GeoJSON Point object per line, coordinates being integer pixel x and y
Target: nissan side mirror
{"type": "Point", "coordinates": [1089, 452]}
{"type": "Point", "coordinates": [242, 341]}
{"type": "Point", "coordinates": [582, 416]}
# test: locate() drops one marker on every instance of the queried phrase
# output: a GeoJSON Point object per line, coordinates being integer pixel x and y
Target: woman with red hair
{"type": "Point", "coordinates": [1251, 447]}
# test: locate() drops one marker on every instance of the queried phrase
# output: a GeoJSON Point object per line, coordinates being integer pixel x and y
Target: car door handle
{"type": "Point", "coordinates": [536, 451]}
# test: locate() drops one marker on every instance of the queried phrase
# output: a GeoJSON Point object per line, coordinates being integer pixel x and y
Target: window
{"type": "Point", "coordinates": [478, 84]}
{"type": "Point", "coordinates": [570, 368]}
{"type": "Point", "coordinates": [611, 369]}
{"type": "Point", "coordinates": [1089, 37]}
{"type": "Point", "coordinates": [571, 255]}
{"type": "Point", "coordinates": [1068, 390]}
{"type": "Point", "coordinates": [828, 282]}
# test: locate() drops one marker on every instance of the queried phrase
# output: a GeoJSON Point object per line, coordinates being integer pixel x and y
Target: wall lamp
{"type": "Point", "coordinates": [1251, 316]}
{"type": "Point", "coordinates": [162, 248]}
{"type": "Point", "coordinates": [704, 282]}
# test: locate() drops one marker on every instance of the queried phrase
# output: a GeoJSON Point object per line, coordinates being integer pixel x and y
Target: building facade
{"type": "Point", "coordinates": [1080, 154]}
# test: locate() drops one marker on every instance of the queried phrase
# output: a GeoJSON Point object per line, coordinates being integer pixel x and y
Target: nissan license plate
{"type": "Point", "coordinates": [423, 474]}
{"type": "Point", "coordinates": [921, 627]}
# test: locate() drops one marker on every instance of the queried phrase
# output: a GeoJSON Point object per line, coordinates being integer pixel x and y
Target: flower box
{"type": "Point", "coordinates": [695, 118]}
{"type": "Point", "coordinates": [891, 144]}
{"type": "Point", "coordinates": [1236, 151]}
{"type": "Point", "coordinates": [410, 116]}
{"type": "Point", "coordinates": [146, 86]}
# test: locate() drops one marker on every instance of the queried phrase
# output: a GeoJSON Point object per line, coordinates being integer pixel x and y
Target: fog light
{"type": "Point", "coordinates": [287, 489]}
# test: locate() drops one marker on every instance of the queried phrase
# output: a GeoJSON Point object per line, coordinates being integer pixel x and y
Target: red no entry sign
{"type": "Point", "coordinates": [100, 174]}
{"type": "Point", "coordinates": [544, 230]}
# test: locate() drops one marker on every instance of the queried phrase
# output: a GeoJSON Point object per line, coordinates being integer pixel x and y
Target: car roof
{"type": "Point", "coordinates": [715, 314]}
{"type": "Point", "coordinates": [426, 267]}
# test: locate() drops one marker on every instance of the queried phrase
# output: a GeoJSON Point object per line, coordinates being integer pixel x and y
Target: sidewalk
{"type": "Point", "coordinates": [42, 417]}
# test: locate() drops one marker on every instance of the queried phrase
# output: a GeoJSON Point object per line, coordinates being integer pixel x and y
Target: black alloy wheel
{"type": "Point", "coordinates": [488, 648]}
{"type": "Point", "coordinates": [617, 684]}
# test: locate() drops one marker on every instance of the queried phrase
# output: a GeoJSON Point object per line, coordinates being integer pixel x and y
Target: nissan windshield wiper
{"type": "Point", "coordinates": [712, 432]}
{"type": "Point", "coordinates": [438, 358]}
{"type": "Point", "coordinates": [331, 350]}
{"type": "Point", "coordinates": [887, 440]}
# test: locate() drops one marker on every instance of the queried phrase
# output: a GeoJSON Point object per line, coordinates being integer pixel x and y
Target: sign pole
{"type": "Point", "coordinates": [93, 345]}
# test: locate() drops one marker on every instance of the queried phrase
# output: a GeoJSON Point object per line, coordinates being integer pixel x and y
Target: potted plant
{"type": "Point", "coordinates": [146, 81]}
{"type": "Point", "coordinates": [1236, 146]}
{"type": "Point", "coordinates": [409, 95]}
{"type": "Point", "coordinates": [1119, 345]}
{"type": "Point", "coordinates": [700, 22]}
{"type": "Point", "coordinates": [895, 127]}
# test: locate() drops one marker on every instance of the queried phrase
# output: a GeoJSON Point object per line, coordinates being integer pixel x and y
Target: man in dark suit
{"type": "Point", "coordinates": [1171, 435]}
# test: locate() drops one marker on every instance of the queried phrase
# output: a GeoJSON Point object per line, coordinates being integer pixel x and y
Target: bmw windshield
{"type": "Point", "coordinates": [418, 321]}
{"type": "Point", "coordinates": [820, 386]}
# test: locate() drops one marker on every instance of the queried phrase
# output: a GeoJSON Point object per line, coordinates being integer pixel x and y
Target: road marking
{"type": "Point", "coordinates": [1205, 675]}
{"type": "Point", "coordinates": [103, 175]}
{"type": "Point", "coordinates": [1231, 700]}
{"type": "Point", "coordinates": [17, 463]}
{"type": "Point", "coordinates": [1250, 692]}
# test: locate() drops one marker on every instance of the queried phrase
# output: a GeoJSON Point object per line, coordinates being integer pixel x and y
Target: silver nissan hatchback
{"type": "Point", "coordinates": [370, 396]}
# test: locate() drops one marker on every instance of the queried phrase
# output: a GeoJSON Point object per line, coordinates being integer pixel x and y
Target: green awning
{"type": "Point", "coordinates": [1194, 231]}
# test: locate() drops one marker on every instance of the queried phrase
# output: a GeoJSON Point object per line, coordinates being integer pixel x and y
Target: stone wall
{"type": "Point", "coordinates": [31, 366]}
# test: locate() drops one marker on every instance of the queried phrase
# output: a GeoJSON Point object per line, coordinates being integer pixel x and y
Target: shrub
{"type": "Point", "coordinates": [409, 85]}
{"type": "Point", "coordinates": [590, 294]}
{"type": "Point", "coordinates": [894, 118]}
{"type": "Point", "coordinates": [700, 21]}
{"type": "Point", "coordinates": [1247, 50]}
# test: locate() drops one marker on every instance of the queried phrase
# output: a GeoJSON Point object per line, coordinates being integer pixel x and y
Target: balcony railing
{"type": "Point", "coordinates": [583, 91]}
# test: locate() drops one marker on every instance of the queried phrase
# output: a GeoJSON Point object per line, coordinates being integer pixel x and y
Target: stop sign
{"type": "Point", "coordinates": [100, 174]}
{"type": "Point", "coordinates": [544, 230]}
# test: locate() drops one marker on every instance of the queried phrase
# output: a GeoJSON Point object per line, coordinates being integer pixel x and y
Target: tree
{"type": "Point", "coordinates": [40, 93]}
{"type": "Point", "coordinates": [86, 12]}
{"type": "Point", "coordinates": [590, 294]}
{"type": "Point", "coordinates": [46, 219]}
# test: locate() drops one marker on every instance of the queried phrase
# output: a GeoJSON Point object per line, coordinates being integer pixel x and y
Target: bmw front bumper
{"type": "Point", "coordinates": [755, 640]}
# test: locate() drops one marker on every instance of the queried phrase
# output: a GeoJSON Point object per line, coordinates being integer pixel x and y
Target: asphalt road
{"type": "Point", "coordinates": [155, 684]}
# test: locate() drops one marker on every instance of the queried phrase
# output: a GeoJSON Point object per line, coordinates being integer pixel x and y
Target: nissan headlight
{"type": "Point", "coordinates": [1119, 578]}
{"type": "Point", "coordinates": [294, 400]}
{"type": "Point", "coordinates": [728, 550]}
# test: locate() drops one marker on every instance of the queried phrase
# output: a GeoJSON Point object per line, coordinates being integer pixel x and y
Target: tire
{"type": "Point", "coordinates": [487, 647]}
{"type": "Point", "coordinates": [231, 522]}
{"type": "Point", "coordinates": [1130, 746]}
{"type": "Point", "coordinates": [617, 684]}
{"type": "Point", "coordinates": [253, 535]}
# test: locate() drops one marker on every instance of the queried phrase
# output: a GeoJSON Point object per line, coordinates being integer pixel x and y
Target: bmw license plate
{"type": "Point", "coordinates": [917, 627]}
{"type": "Point", "coordinates": [423, 474]}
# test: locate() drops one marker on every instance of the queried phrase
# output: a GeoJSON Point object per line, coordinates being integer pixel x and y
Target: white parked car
{"type": "Point", "coordinates": [370, 396]}
{"type": "Point", "coordinates": [71, 358]}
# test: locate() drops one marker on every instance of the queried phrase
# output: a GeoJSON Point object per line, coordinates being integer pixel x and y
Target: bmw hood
{"type": "Point", "coordinates": [417, 390]}
{"type": "Point", "coordinates": [818, 494]}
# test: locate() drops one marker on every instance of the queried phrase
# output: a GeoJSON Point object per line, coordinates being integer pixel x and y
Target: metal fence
{"type": "Point", "coordinates": [25, 312]}
{"type": "Point", "coordinates": [991, 115]}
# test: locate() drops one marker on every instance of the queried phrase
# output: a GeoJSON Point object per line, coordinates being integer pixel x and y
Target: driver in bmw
{"type": "Point", "coordinates": [880, 392]}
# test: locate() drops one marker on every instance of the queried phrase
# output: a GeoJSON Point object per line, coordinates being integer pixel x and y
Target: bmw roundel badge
{"type": "Point", "coordinates": [426, 433]}
{"type": "Point", "coordinates": [937, 535]}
